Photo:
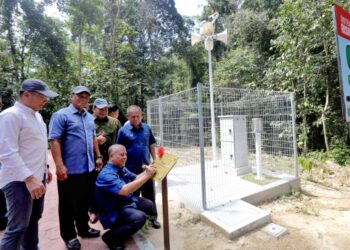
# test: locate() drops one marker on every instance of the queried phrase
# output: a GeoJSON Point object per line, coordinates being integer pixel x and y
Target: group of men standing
{"type": "Point", "coordinates": [95, 176]}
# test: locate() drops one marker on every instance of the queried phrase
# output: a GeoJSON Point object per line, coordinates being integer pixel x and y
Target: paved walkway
{"type": "Point", "coordinates": [49, 233]}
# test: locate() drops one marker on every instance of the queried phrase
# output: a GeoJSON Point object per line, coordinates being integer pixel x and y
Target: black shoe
{"type": "Point", "coordinates": [73, 244]}
{"type": "Point", "coordinates": [116, 247]}
{"type": "Point", "coordinates": [155, 224]}
{"type": "Point", "coordinates": [91, 233]}
{"type": "Point", "coordinates": [113, 246]}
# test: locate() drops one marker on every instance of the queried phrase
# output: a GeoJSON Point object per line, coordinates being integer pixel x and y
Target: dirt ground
{"type": "Point", "coordinates": [317, 217]}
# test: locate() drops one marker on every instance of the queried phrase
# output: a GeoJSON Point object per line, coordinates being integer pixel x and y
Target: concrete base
{"type": "Point", "coordinates": [242, 170]}
{"type": "Point", "coordinates": [236, 218]}
{"type": "Point", "coordinates": [272, 191]}
{"type": "Point", "coordinates": [240, 217]}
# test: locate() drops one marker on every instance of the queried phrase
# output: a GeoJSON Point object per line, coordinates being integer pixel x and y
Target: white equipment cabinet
{"type": "Point", "coordinates": [234, 143]}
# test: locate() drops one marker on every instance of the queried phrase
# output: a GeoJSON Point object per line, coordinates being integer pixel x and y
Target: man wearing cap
{"type": "Point", "coordinates": [23, 157]}
{"type": "Point", "coordinates": [106, 134]}
{"type": "Point", "coordinates": [73, 143]}
{"type": "Point", "coordinates": [106, 127]}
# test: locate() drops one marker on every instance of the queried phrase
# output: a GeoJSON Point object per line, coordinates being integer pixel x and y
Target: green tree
{"type": "Point", "coordinates": [306, 63]}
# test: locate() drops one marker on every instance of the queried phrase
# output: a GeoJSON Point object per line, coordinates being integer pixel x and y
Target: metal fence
{"type": "Point", "coordinates": [182, 124]}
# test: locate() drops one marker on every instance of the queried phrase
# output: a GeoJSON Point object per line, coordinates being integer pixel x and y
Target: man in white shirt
{"type": "Point", "coordinates": [23, 158]}
{"type": "Point", "coordinates": [3, 209]}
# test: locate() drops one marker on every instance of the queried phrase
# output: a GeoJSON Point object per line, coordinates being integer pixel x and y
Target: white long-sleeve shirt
{"type": "Point", "coordinates": [23, 144]}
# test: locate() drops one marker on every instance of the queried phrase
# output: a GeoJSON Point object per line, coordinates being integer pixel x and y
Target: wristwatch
{"type": "Point", "coordinates": [99, 157]}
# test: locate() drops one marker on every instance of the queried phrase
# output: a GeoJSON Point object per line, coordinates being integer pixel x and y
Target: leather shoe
{"type": "Point", "coordinates": [116, 247]}
{"type": "Point", "coordinates": [155, 224]}
{"type": "Point", "coordinates": [73, 244]}
{"type": "Point", "coordinates": [91, 233]}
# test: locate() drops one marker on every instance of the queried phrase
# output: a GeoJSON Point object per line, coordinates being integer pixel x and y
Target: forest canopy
{"type": "Point", "coordinates": [129, 51]}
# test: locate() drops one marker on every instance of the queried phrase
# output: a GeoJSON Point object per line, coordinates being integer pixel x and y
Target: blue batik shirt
{"type": "Point", "coordinates": [137, 143]}
{"type": "Point", "coordinates": [108, 184]}
{"type": "Point", "coordinates": [76, 131]}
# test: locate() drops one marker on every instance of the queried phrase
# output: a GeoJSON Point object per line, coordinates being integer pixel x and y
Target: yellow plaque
{"type": "Point", "coordinates": [163, 166]}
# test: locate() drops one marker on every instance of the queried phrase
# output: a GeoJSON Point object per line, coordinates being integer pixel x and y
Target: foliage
{"type": "Point", "coordinates": [340, 152]}
{"type": "Point", "coordinates": [305, 163]}
{"type": "Point", "coordinates": [129, 51]}
{"type": "Point", "coordinates": [247, 73]}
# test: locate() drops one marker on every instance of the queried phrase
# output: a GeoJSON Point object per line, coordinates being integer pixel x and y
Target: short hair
{"type": "Point", "coordinates": [115, 148]}
{"type": "Point", "coordinates": [133, 107]}
{"type": "Point", "coordinates": [112, 108]}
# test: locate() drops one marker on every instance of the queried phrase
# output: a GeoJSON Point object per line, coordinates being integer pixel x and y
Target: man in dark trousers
{"type": "Point", "coordinates": [23, 159]}
{"type": "Point", "coordinates": [120, 211]}
{"type": "Point", "coordinates": [138, 139]}
{"type": "Point", "coordinates": [3, 209]}
{"type": "Point", "coordinates": [73, 142]}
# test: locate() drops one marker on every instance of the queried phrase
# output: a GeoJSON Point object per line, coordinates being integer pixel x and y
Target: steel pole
{"type": "Point", "coordinates": [212, 111]}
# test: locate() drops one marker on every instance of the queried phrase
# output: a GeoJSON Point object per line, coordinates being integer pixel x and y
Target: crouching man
{"type": "Point", "coordinates": [120, 211]}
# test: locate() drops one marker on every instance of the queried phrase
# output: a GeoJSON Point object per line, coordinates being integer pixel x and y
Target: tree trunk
{"type": "Point", "coordinates": [8, 24]}
{"type": "Point", "coordinates": [80, 59]}
{"type": "Point", "coordinates": [324, 125]}
{"type": "Point", "coordinates": [305, 132]}
{"type": "Point", "coordinates": [112, 55]}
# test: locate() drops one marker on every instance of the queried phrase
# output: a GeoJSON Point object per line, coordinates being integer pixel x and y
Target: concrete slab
{"type": "Point", "coordinates": [271, 191]}
{"type": "Point", "coordinates": [275, 230]}
{"type": "Point", "coordinates": [223, 185]}
{"type": "Point", "coordinates": [238, 215]}
{"type": "Point", "coordinates": [236, 218]}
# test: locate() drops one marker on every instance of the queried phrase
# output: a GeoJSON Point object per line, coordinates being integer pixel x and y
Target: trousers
{"type": "Point", "coordinates": [148, 191]}
{"type": "Point", "coordinates": [23, 216]}
{"type": "Point", "coordinates": [129, 221]}
{"type": "Point", "coordinates": [74, 199]}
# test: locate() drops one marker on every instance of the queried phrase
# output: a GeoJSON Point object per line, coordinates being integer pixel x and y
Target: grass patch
{"type": "Point", "coordinates": [266, 179]}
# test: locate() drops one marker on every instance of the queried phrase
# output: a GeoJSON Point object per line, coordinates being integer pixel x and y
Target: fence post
{"type": "Point", "coordinates": [258, 129]}
{"type": "Point", "coordinates": [295, 149]}
{"type": "Point", "coordinates": [201, 145]}
{"type": "Point", "coordinates": [160, 116]}
{"type": "Point", "coordinates": [166, 233]}
{"type": "Point", "coordinates": [149, 121]}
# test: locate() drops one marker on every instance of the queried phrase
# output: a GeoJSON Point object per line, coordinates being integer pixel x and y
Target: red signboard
{"type": "Point", "coordinates": [342, 30]}
{"type": "Point", "coordinates": [343, 22]}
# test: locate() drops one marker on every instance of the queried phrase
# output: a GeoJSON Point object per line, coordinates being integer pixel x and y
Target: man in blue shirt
{"type": "Point", "coordinates": [138, 139]}
{"type": "Point", "coordinates": [121, 211]}
{"type": "Point", "coordinates": [72, 135]}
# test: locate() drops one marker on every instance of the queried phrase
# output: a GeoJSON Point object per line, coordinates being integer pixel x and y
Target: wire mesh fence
{"type": "Point", "coordinates": [182, 123]}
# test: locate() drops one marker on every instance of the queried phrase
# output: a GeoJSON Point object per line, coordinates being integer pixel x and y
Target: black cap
{"type": "Point", "coordinates": [112, 108]}
{"type": "Point", "coordinates": [36, 85]}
